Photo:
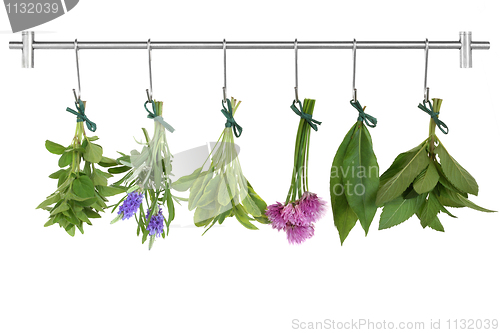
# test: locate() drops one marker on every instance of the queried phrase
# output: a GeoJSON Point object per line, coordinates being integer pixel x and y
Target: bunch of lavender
{"type": "Point", "coordinates": [148, 177]}
{"type": "Point", "coordinates": [302, 208]}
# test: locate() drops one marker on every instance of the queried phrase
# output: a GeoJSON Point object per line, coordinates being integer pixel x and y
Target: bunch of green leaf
{"type": "Point", "coordinates": [81, 192]}
{"type": "Point", "coordinates": [354, 178]}
{"type": "Point", "coordinates": [417, 183]}
{"type": "Point", "coordinates": [149, 172]}
{"type": "Point", "coordinates": [222, 191]}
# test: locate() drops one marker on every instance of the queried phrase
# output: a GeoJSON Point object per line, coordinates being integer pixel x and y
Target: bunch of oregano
{"type": "Point", "coordinates": [222, 191]}
{"type": "Point", "coordinates": [148, 177]}
{"type": "Point", "coordinates": [82, 187]}
{"type": "Point", "coordinates": [354, 177]}
{"type": "Point", "coordinates": [418, 183]}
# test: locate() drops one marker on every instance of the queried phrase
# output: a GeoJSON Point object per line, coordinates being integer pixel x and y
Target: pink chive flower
{"type": "Point", "coordinates": [297, 234]}
{"type": "Point", "coordinates": [274, 213]}
{"type": "Point", "coordinates": [297, 218]}
{"type": "Point", "coordinates": [312, 206]}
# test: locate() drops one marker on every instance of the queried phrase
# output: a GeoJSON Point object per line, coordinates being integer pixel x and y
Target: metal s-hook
{"type": "Point", "coordinates": [426, 89]}
{"type": "Point", "coordinates": [77, 97]}
{"type": "Point", "coordinates": [354, 90]}
{"type": "Point", "coordinates": [224, 88]}
{"type": "Point", "coordinates": [295, 47]}
{"type": "Point", "coordinates": [150, 91]}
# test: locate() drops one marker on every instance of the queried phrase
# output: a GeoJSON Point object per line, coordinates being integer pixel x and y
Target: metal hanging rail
{"type": "Point", "coordinates": [465, 44]}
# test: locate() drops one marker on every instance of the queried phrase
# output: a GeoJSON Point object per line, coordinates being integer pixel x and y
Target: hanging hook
{"type": "Point", "coordinates": [354, 90]}
{"type": "Point", "coordinates": [150, 91]}
{"type": "Point", "coordinates": [225, 81]}
{"type": "Point", "coordinates": [295, 47]}
{"type": "Point", "coordinates": [77, 97]}
{"type": "Point", "coordinates": [426, 89]}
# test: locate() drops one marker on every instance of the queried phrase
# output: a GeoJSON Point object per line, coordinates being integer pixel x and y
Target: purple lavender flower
{"type": "Point", "coordinates": [312, 206]}
{"type": "Point", "coordinates": [273, 212]}
{"type": "Point", "coordinates": [297, 234]}
{"type": "Point", "coordinates": [131, 204]}
{"type": "Point", "coordinates": [155, 226]}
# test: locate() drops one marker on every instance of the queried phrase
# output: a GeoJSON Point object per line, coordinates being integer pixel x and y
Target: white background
{"type": "Point", "coordinates": [233, 279]}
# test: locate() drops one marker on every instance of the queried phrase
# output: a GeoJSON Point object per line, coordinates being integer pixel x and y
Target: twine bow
{"type": "Point", "coordinates": [307, 117]}
{"type": "Point", "coordinates": [80, 115]}
{"type": "Point", "coordinates": [237, 129]}
{"type": "Point", "coordinates": [154, 115]}
{"type": "Point", "coordinates": [370, 121]}
{"type": "Point", "coordinates": [434, 115]}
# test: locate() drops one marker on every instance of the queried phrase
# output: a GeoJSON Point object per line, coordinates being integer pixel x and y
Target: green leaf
{"type": "Point", "coordinates": [223, 193]}
{"type": "Point", "coordinates": [83, 187]}
{"type": "Point", "coordinates": [184, 183]}
{"type": "Point", "coordinates": [54, 148]}
{"type": "Point", "coordinates": [107, 162]}
{"type": "Point", "coordinates": [109, 191]}
{"type": "Point", "coordinates": [414, 163]}
{"type": "Point", "coordinates": [93, 153]}
{"type": "Point", "coordinates": [399, 210]}
{"type": "Point", "coordinates": [455, 173]}
{"type": "Point", "coordinates": [343, 215]}
{"type": "Point", "coordinates": [204, 215]}
{"type": "Point", "coordinates": [461, 200]}
{"type": "Point", "coordinates": [50, 200]}
{"type": "Point", "coordinates": [428, 180]}
{"type": "Point", "coordinates": [198, 188]}
{"type": "Point", "coordinates": [70, 229]}
{"type": "Point", "coordinates": [243, 218]}
{"type": "Point", "coordinates": [58, 173]}
{"type": "Point", "coordinates": [92, 138]}
{"type": "Point", "coordinates": [65, 160]}
{"type": "Point", "coordinates": [250, 206]}
{"type": "Point", "coordinates": [429, 210]}
{"type": "Point", "coordinates": [436, 224]}
{"type": "Point", "coordinates": [399, 162]}
{"type": "Point", "coordinates": [361, 172]}
{"type": "Point", "coordinates": [210, 191]}
{"type": "Point", "coordinates": [259, 202]}
{"type": "Point", "coordinates": [98, 178]}
{"type": "Point", "coordinates": [58, 209]}
{"type": "Point", "coordinates": [90, 213]}
{"type": "Point", "coordinates": [118, 170]}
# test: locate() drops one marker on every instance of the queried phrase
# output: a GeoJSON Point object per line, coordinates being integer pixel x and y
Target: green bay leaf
{"type": "Point", "coordinates": [343, 215]}
{"type": "Point", "coordinates": [361, 179]}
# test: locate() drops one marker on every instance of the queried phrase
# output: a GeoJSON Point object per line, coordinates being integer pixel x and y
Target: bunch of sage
{"type": "Point", "coordinates": [418, 184]}
{"type": "Point", "coordinates": [354, 177]}
{"type": "Point", "coordinates": [81, 193]}
{"type": "Point", "coordinates": [297, 215]}
{"type": "Point", "coordinates": [221, 191]}
{"type": "Point", "coordinates": [148, 177]}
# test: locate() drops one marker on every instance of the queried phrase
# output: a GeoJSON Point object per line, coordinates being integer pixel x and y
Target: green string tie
{"type": "Point", "coordinates": [370, 121]}
{"type": "Point", "coordinates": [154, 115]}
{"type": "Point", "coordinates": [305, 116]}
{"type": "Point", "coordinates": [237, 129]}
{"type": "Point", "coordinates": [80, 115]}
{"type": "Point", "coordinates": [434, 115]}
